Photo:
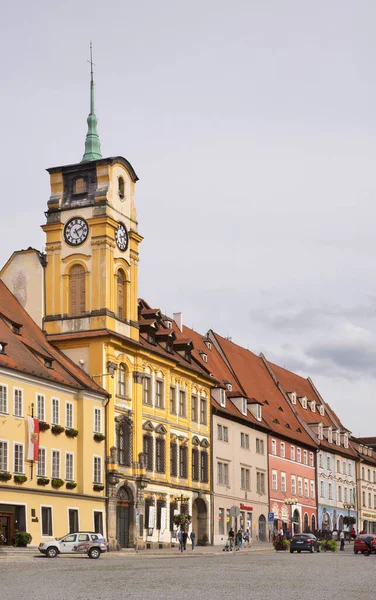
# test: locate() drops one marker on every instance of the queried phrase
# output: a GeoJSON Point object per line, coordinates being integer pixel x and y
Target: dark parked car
{"type": "Point", "coordinates": [360, 545]}
{"type": "Point", "coordinates": [304, 542]}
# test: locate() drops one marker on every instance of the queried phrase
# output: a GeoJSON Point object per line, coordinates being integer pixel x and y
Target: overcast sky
{"type": "Point", "coordinates": [252, 128]}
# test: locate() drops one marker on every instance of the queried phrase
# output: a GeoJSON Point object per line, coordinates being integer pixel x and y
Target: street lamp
{"type": "Point", "coordinates": [182, 499]}
{"type": "Point", "coordinates": [291, 502]}
{"type": "Point", "coordinates": [349, 506]}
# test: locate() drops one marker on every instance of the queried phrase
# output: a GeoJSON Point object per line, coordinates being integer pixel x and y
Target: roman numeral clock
{"type": "Point", "coordinates": [76, 231]}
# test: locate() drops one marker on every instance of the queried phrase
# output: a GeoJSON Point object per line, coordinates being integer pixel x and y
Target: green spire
{"type": "Point", "coordinates": [92, 143]}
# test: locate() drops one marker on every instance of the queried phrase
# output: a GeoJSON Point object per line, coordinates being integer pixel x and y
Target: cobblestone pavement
{"type": "Point", "coordinates": [256, 575]}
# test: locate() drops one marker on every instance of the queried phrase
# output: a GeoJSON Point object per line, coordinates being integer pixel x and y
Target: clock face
{"type": "Point", "coordinates": [121, 236]}
{"type": "Point", "coordinates": [75, 231]}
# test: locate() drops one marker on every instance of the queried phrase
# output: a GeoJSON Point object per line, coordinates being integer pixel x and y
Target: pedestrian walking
{"type": "Point", "coordinates": [342, 540]}
{"type": "Point", "coordinates": [239, 538]}
{"type": "Point", "coordinates": [231, 537]}
{"type": "Point", "coordinates": [193, 539]}
{"type": "Point", "coordinates": [180, 539]}
{"type": "Point", "coordinates": [184, 539]}
{"type": "Point", "coordinates": [246, 539]}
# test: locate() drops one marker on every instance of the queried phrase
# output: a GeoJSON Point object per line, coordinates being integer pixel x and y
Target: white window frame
{"type": "Point", "coordinates": [305, 457]}
{"type": "Point", "coordinates": [259, 412]}
{"type": "Point", "coordinates": [293, 485]}
{"type": "Point", "coordinates": [311, 459]}
{"type": "Point", "coordinates": [322, 410]}
{"type": "Point", "coordinates": [4, 401]}
{"type": "Point", "coordinates": [54, 476]}
{"type": "Point", "coordinates": [222, 397]}
{"type": "Point", "coordinates": [300, 486]}
{"type": "Point", "coordinates": [99, 458]}
{"type": "Point", "coordinates": [225, 433]}
{"type": "Point", "coordinates": [17, 389]}
{"type": "Point", "coordinates": [312, 486]}
{"type": "Point", "coordinates": [274, 480]}
{"type": "Point", "coordinates": [304, 402]}
{"type": "Point", "coordinates": [70, 454]}
{"type": "Point", "coordinates": [292, 453]}
{"type": "Point", "coordinates": [21, 445]}
{"type": "Point", "coordinates": [43, 450]}
{"type": "Point", "coordinates": [299, 455]}
{"type": "Point", "coordinates": [283, 482]}
{"type": "Point", "coordinates": [53, 421]}
{"type": "Point", "coordinates": [322, 489]}
{"type": "Point", "coordinates": [6, 462]}
{"type": "Point", "coordinates": [274, 447]}
{"type": "Point", "coordinates": [282, 449]}
{"type": "Point", "coordinates": [306, 488]}
{"type": "Point", "coordinates": [71, 425]}
{"type": "Point", "coordinates": [40, 400]}
{"type": "Point", "coordinates": [244, 406]}
{"type": "Point", "coordinates": [97, 411]}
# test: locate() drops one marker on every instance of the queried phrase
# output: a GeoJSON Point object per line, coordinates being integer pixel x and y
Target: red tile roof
{"type": "Point", "coordinates": [253, 377]}
{"type": "Point", "coordinates": [25, 352]}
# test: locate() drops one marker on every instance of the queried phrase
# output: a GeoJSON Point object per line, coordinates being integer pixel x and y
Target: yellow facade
{"type": "Point", "coordinates": [42, 510]}
{"type": "Point", "coordinates": [105, 340]}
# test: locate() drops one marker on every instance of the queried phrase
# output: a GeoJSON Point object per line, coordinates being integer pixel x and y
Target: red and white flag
{"type": "Point", "coordinates": [33, 442]}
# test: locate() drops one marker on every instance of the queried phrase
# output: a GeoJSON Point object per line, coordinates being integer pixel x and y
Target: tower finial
{"type": "Point", "coordinates": [92, 143]}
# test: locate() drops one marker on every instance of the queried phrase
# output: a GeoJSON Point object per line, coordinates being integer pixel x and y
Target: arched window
{"type": "Point", "coordinates": [306, 525]}
{"type": "Point", "coordinates": [313, 526]}
{"type": "Point", "coordinates": [121, 187]}
{"type": "Point", "coordinates": [124, 441]}
{"type": "Point", "coordinates": [120, 282]}
{"type": "Point", "coordinates": [79, 186]}
{"type": "Point", "coordinates": [77, 290]}
{"type": "Point", "coordinates": [121, 380]}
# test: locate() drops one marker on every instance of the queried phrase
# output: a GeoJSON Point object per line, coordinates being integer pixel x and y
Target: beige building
{"type": "Point", "coordinates": [366, 483]}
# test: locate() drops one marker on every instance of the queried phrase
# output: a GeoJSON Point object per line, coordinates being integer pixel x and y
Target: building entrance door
{"type": "Point", "coordinates": [122, 525]}
{"type": "Point", "coordinates": [6, 528]}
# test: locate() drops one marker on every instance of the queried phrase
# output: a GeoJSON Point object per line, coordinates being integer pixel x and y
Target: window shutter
{"type": "Point", "coordinates": [77, 290]}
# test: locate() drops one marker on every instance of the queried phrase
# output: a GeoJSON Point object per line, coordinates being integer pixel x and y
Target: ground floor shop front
{"type": "Point", "coordinates": [331, 518]}
{"type": "Point", "coordinates": [294, 517]}
{"type": "Point", "coordinates": [141, 514]}
{"type": "Point", "coordinates": [367, 521]}
{"type": "Point", "coordinates": [253, 516]}
{"type": "Point", "coordinates": [48, 514]}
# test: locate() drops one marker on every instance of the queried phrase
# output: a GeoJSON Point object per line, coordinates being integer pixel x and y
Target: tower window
{"type": "Point", "coordinates": [121, 294]}
{"type": "Point", "coordinates": [77, 290]}
{"type": "Point", "coordinates": [121, 187]}
{"type": "Point", "coordinates": [80, 186]}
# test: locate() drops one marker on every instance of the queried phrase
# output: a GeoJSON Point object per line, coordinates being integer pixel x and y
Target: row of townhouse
{"type": "Point", "coordinates": [140, 417]}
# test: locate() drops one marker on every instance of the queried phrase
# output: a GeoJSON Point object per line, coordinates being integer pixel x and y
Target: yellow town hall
{"type": "Point", "coordinates": [85, 297]}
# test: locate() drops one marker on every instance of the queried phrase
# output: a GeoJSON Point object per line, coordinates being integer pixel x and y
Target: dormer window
{"type": "Point", "coordinates": [2, 347]}
{"type": "Point", "coordinates": [16, 328]}
{"type": "Point", "coordinates": [304, 402]}
{"type": "Point", "coordinates": [168, 324]}
{"type": "Point", "coordinates": [208, 344]}
{"type": "Point", "coordinates": [229, 387]}
{"type": "Point", "coordinates": [346, 440]}
{"type": "Point", "coordinates": [320, 432]}
{"type": "Point", "coordinates": [151, 338]}
{"type": "Point", "coordinates": [244, 406]}
{"type": "Point", "coordinates": [203, 355]}
{"type": "Point", "coordinates": [259, 412]}
{"type": "Point", "coordinates": [338, 438]}
{"type": "Point", "coordinates": [80, 186]}
{"type": "Point", "coordinates": [48, 363]}
{"type": "Point", "coordinates": [293, 397]}
{"type": "Point", "coordinates": [313, 406]}
{"type": "Point", "coordinates": [121, 188]}
{"type": "Point", "coordinates": [222, 397]}
{"type": "Point", "coordinates": [330, 435]}
{"type": "Point", "coordinates": [322, 410]}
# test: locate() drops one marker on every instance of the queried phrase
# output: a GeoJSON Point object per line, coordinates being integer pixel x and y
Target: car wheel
{"type": "Point", "coordinates": [298, 551]}
{"type": "Point", "coordinates": [291, 551]}
{"type": "Point", "coordinates": [311, 549]}
{"type": "Point", "coordinates": [52, 552]}
{"type": "Point", "coordinates": [366, 553]}
{"type": "Point", "coordinates": [356, 551]}
{"type": "Point", "coordinates": [318, 549]}
{"type": "Point", "coordinates": [94, 553]}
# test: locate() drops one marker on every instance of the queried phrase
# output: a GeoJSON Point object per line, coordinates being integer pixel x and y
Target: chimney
{"type": "Point", "coordinates": [178, 318]}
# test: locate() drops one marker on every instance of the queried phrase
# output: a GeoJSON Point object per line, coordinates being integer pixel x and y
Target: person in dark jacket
{"type": "Point", "coordinates": [193, 539]}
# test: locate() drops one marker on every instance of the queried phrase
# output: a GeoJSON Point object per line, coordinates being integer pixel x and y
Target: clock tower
{"type": "Point", "coordinates": [92, 243]}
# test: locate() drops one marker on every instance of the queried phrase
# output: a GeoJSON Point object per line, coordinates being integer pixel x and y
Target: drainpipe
{"type": "Point", "coordinates": [109, 396]}
{"type": "Point", "coordinates": [212, 520]}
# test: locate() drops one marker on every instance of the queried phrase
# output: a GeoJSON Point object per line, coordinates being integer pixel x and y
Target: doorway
{"type": "Point", "coordinates": [262, 528]}
{"type": "Point", "coordinates": [124, 509]}
{"type": "Point", "coordinates": [200, 521]}
{"type": "Point", "coordinates": [6, 528]}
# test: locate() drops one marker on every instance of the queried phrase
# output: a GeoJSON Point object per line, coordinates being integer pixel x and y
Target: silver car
{"type": "Point", "coordinates": [92, 544]}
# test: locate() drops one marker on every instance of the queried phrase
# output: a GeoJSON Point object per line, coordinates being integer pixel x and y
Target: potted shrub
{"type": "Point", "coordinates": [70, 485]}
{"type": "Point", "coordinates": [99, 437]}
{"type": "Point", "coordinates": [5, 476]}
{"type": "Point", "coordinates": [350, 521]}
{"type": "Point", "coordinates": [329, 546]}
{"type": "Point", "coordinates": [43, 426]}
{"type": "Point", "coordinates": [19, 478]}
{"type": "Point", "coordinates": [43, 481]}
{"type": "Point", "coordinates": [22, 539]}
{"type": "Point", "coordinates": [281, 545]}
{"type": "Point", "coordinates": [72, 433]}
{"type": "Point", "coordinates": [57, 429]}
{"type": "Point", "coordinates": [57, 483]}
{"type": "Point", "coordinates": [97, 487]}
